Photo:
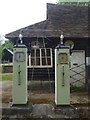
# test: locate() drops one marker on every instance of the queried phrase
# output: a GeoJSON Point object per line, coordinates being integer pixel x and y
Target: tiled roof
{"type": "Point", "coordinates": [72, 20]}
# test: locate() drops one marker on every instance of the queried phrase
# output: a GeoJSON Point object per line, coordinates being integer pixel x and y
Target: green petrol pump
{"type": "Point", "coordinates": [62, 75]}
{"type": "Point", "coordinates": [19, 94]}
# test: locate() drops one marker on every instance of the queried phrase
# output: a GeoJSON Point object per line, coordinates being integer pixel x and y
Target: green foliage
{"type": "Point", "coordinates": [73, 2]}
{"type": "Point", "coordinates": [6, 76]}
{"type": "Point", "coordinates": [0, 51]}
{"type": "Point", "coordinates": [8, 44]}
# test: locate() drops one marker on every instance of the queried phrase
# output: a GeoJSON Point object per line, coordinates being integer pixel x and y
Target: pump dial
{"type": "Point", "coordinates": [19, 56]}
{"type": "Point", "coordinates": [63, 58]}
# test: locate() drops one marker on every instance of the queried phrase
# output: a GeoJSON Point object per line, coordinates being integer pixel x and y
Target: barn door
{"type": "Point", "coordinates": [77, 73]}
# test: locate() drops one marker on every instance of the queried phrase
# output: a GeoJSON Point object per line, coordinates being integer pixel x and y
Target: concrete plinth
{"type": "Point", "coordinates": [38, 111]}
{"type": "Point", "coordinates": [17, 109]}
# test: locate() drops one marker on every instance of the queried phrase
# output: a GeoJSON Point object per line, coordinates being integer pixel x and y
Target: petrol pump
{"type": "Point", "coordinates": [62, 75]}
{"type": "Point", "coordinates": [19, 94]}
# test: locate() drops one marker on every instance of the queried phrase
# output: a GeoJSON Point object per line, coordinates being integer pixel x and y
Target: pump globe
{"type": "Point", "coordinates": [20, 36]}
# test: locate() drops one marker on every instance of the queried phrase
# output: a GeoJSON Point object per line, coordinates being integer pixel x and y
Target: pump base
{"type": "Point", "coordinates": [64, 109]}
{"type": "Point", "coordinates": [19, 105]}
{"type": "Point", "coordinates": [14, 109]}
{"type": "Point", "coordinates": [67, 106]}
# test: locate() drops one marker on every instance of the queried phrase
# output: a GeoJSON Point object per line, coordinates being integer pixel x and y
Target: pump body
{"type": "Point", "coordinates": [62, 76]}
{"type": "Point", "coordinates": [19, 94]}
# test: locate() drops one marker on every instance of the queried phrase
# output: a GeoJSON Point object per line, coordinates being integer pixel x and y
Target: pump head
{"type": "Point", "coordinates": [62, 37]}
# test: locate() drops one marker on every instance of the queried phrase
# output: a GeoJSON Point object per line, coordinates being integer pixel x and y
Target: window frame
{"type": "Point", "coordinates": [46, 57]}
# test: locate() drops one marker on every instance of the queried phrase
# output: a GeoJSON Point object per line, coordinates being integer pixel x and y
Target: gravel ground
{"type": "Point", "coordinates": [43, 100]}
{"type": "Point", "coordinates": [5, 84]}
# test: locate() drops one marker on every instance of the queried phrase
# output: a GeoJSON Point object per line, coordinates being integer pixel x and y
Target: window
{"type": "Point", "coordinates": [87, 61]}
{"type": "Point", "coordinates": [40, 58]}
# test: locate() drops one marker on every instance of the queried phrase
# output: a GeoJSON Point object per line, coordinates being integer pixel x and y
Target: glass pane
{"type": "Point", "coordinates": [32, 53]}
{"type": "Point", "coordinates": [43, 61]}
{"type": "Point", "coordinates": [49, 61]}
{"type": "Point", "coordinates": [48, 52]}
{"type": "Point", "coordinates": [37, 53]}
{"type": "Point", "coordinates": [43, 52]}
{"type": "Point", "coordinates": [37, 61]}
{"type": "Point", "coordinates": [32, 61]}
